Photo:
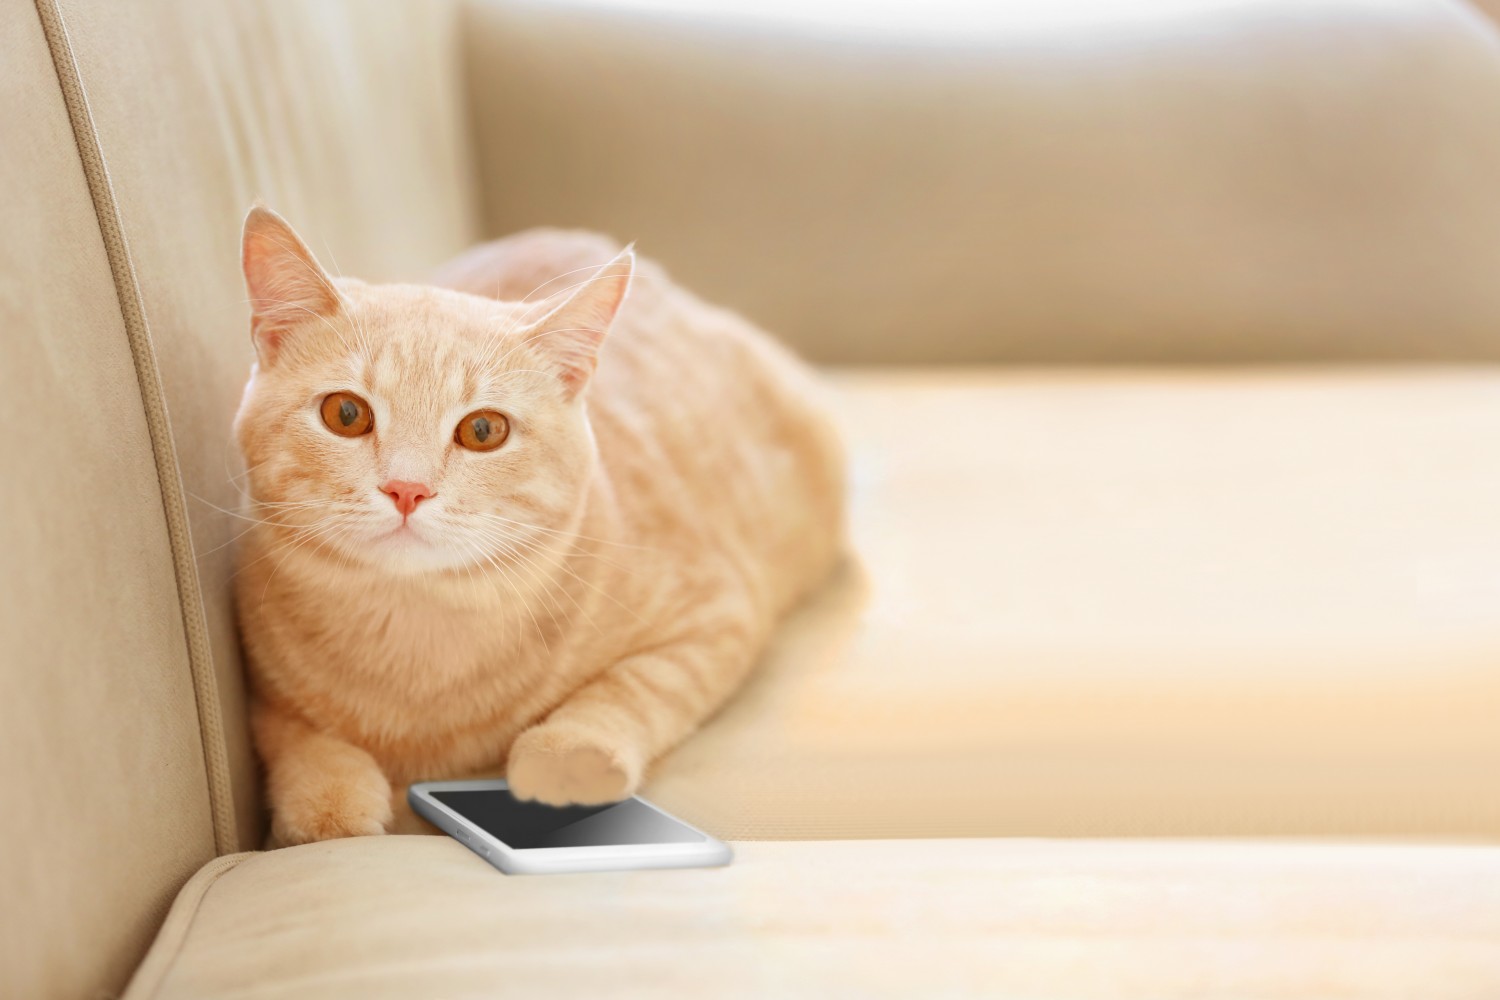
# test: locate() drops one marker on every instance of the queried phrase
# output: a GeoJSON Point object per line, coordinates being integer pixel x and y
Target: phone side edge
{"type": "Point", "coordinates": [448, 820]}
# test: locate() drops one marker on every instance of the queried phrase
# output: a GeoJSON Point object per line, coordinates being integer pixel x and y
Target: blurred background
{"type": "Point", "coordinates": [1066, 181]}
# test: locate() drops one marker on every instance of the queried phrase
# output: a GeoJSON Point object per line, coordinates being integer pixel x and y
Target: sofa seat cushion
{"type": "Point", "coordinates": [1120, 602]}
{"type": "Point", "coordinates": [422, 917]}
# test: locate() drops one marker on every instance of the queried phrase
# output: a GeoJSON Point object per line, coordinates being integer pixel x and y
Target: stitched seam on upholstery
{"type": "Point", "coordinates": [128, 293]}
{"type": "Point", "coordinates": [172, 937]}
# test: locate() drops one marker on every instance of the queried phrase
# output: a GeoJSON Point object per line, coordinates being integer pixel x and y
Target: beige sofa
{"type": "Point", "coordinates": [1150, 680]}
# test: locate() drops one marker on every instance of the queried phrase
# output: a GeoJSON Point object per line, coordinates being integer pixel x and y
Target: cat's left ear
{"type": "Point", "coordinates": [570, 335]}
{"type": "Point", "coordinates": [286, 284]}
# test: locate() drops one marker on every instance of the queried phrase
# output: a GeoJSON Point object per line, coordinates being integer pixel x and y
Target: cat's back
{"type": "Point", "coordinates": [527, 266]}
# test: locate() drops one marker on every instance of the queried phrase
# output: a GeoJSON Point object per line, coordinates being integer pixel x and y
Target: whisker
{"type": "Point", "coordinates": [568, 534]}
{"type": "Point", "coordinates": [306, 537]}
{"type": "Point", "coordinates": [525, 605]}
{"type": "Point", "coordinates": [525, 317]}
{"type": "Point", "coordinates": [277, 508]}
{"type": "Point", "coordinates": [556, 277]}
{"type": "Point", "coordinates": [274, 550]}
{"type": "Point", "coordinates": [587, 583]}
{"type": "Point", "coordinates": [533, 564]}
{"type": "Point", "coordinates": [575, 549]}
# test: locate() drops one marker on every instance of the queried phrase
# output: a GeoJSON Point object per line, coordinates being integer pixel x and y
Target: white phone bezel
{"type": "Point", "coordinates": [708, 853]}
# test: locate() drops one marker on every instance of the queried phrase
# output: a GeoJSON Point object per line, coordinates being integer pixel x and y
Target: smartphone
{"type": "Point", "coordinates": [529, 838]}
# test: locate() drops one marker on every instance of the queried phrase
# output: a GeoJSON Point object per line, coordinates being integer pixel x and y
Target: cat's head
{"type": "Point", "coordinates": [411, 428]}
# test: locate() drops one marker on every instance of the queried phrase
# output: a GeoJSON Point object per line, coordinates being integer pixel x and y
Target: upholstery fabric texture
{"type": "Point", "coordinates": [106, 808]}
{"type": "Point", "coordinates": [1104, 182]}
{"type": "Point", "coordinates": [421, 916]}
{"type": "Point", "coordinates": [163, 446]}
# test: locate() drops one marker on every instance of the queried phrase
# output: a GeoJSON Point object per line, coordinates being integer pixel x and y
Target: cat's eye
{"type": "Point", "coordinates": [346, 414]}
{"type": "Point", "coordinates": [482, 430]}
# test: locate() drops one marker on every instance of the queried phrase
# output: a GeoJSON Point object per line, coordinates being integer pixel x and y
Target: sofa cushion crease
{"type": "Point", "coordinates": [176, 929]}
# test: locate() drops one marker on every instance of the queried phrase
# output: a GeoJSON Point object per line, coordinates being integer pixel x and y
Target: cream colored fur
{"type": "Point", "coordinates": [570, 605]}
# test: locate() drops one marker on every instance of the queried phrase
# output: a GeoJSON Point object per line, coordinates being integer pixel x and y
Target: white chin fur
{"type": "Point", "coordinates": [408, 551]}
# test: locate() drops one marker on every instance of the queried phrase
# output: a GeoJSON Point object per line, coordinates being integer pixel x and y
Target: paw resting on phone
{"type": "Point", "coordinates": [553, 765]}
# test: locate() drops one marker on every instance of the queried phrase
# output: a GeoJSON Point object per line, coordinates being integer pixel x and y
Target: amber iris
{"type": "Point", "coordinates": [482, 430]}
{"type": "Point", "coordinates": [347, 415]}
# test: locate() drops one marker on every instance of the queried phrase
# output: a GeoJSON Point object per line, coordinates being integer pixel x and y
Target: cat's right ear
{"type": "Point", "coordinates": [286, 285]}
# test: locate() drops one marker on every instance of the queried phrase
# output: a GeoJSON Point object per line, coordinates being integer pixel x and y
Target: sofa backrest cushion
{"type": "Point", "coordinates": [1279, 180]}
{"type": "Point", "coordinates": [106, 807]}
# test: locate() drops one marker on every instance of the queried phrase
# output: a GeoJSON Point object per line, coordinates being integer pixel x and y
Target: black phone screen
{"type": "Point", "coordinates": [525, 825]}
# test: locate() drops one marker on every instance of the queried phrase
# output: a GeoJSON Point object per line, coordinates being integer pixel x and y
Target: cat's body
{"type": "Point", "coordinates": [640, 553]}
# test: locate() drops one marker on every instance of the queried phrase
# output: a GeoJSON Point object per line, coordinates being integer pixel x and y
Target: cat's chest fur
{"type": "Point", "coordinates": [432, 681]}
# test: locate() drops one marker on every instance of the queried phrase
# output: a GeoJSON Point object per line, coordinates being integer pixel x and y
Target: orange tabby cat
{"type": "Point", "coordinates": [472, 548]}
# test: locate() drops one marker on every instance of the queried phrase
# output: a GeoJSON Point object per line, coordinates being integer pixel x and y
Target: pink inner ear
{"type": "Point", "coordinates": [576, 355]}
{"type": "Point", "coordinates": [570, 336]}
{"type": "Point", "coordinates": [285, 283]}
{"type": "Point", "coordinates": [266, 334]}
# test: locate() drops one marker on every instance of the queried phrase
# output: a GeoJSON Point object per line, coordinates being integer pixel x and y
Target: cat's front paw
{"type": "Point", "coordinates": [561, 767]}
{"type": "Point", "coordinates": [328, 806]}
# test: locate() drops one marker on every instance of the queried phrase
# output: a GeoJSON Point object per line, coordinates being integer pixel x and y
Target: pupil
{"type": "Point", "coordinates": [348, 412]}
{"type": "Point", "coordinates": [481, 429]}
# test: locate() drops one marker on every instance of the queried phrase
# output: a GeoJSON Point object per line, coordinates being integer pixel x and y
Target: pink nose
{"type": "Point", "coordinates": [406, 495]}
